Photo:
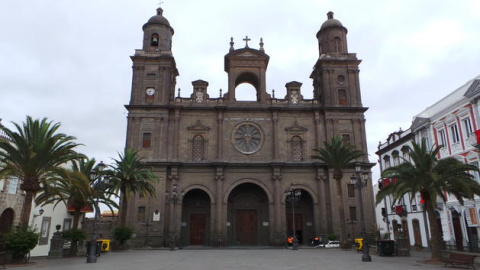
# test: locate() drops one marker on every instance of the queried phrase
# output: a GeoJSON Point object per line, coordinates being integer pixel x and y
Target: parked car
{"type": "Point", "coordinates": [332, 244]}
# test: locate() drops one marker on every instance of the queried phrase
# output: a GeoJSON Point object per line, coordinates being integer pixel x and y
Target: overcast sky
{"type": "Point", "coordinates": [69, 60]}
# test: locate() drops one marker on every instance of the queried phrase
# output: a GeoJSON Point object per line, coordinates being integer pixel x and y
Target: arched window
{"type": "Point", "coordinates": [386, 159]}
{"type": "Point", "coordinates": [337, 45]}
{"type": "Point", "coordinates": [405, 151]}
{"type": "Point", "coordinates": [342, 97]}
{"type": "Point", "coordinates": [396, 158]}
{"type": "Point", "coordinates": [297, 148]}
{"type": "Point", "coordinates": [198, 148]}
{"type": "Point", "coordinates": [154, 40]}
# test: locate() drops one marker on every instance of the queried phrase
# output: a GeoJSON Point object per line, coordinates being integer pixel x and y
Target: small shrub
{"type": "Point", "coordinates": [122, 234]}
{"type": "Point", "coordinates": [332, 236]}
{"type": "Point", "coordinates": [74, 235]}
{"type": "Point", "coordinates": [21, 240]}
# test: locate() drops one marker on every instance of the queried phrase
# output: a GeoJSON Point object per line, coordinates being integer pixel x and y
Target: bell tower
{"type": "Point", "coordinates": [336, 74]}
{"type": "Point", "coordinates": [247, 65]}
{"type": "Point", "coordinates": [154, 67]}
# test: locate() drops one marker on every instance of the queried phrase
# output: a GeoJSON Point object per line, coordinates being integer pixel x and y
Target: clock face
{"type": "Point", "coordinates": [150, 91]}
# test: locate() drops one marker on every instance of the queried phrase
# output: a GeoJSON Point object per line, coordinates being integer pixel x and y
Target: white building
{"type": "Point", "coordinates": [46, 225]}
{"type": "Point", "coordinates": [450, 122]}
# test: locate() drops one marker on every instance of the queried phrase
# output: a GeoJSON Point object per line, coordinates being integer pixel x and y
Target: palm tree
{"type": "Point", "coordinates": [33, 153]}
{"type": "Point", "coordinates": [74, 189]}
{"type": "Point", "coordinates": [423, 173]}
{"type": "Point", "coordinates": [338, 156]}
{"type": "Point", "coordinates": [129, 177]}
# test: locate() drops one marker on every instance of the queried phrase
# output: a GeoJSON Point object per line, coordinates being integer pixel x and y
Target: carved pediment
{"type": "Point", "coordinates": [198, 126]}
{"type": "Point", "coordinates": [247, 54]}
{"type": "Point", "coordinates": [296, 128]}
{"type": "Point", "coordinates": [419, 122]}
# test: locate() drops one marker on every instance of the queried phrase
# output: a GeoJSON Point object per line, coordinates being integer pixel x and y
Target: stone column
{"type": "Point", "coordinates": [218, 238]}
{"type": "Point", "coordinates": [176, 136]}
{"type": "Point", "coordinates": [321, 216]}
{"type": "Point", "coordinates": [279, 232]}
{"type": "Point", "coordinates": [219, 155]}
{"type": "Point", "coordinates": [274, 134]}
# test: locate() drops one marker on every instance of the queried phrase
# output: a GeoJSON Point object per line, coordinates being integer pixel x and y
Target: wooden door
{"type": "Point", "coordinates": [416, 232]}
{"type": "Point", "coordinates": [246, 227]}
{"type": "Point", "coordinates": [197, 229]}
{"type": "Point", "coordinates": [405, 230]}
{"type": "Point", "coordinates": [457, 230]}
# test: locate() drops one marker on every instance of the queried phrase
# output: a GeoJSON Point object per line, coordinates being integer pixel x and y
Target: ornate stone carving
{"type": "Point", "coordinates": [247, 138]}
{"type": "Point", "coordinates": [277, 178]}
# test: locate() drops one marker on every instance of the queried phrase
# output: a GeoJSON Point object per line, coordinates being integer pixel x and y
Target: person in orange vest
{"type": "Point", "coordinates": [290, 241]}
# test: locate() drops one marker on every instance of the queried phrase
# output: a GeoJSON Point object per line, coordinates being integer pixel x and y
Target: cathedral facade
{"type": "Point", "coordinates": [230, 162]}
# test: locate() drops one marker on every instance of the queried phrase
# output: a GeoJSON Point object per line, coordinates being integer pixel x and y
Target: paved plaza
{"type": "Point", "coordinates": [235, 259]}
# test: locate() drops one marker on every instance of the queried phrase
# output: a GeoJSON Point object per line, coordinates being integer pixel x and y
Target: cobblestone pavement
{"type": "Point", "coordinates": [235, 259]}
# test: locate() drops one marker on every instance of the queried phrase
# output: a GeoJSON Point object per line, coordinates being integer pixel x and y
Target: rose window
{"type": "Point", "coordinates": [247, 138]}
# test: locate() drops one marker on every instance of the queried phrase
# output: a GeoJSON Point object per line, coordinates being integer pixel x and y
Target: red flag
{"type": "Point", "coordinates": [422, 201]}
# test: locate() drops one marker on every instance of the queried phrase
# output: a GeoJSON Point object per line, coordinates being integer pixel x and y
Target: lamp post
{"type": "Point", "coordinates": [292, 196]}
{"type": "Point", "coordinates": [360, 183]}
{"type": "Point", "coordinates": [174, 199]}
{"type": "Point", "coordinates": [99, 183]}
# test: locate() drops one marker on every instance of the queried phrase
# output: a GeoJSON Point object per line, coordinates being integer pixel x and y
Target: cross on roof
{"type": "Point", "coordinates": [246, 39]}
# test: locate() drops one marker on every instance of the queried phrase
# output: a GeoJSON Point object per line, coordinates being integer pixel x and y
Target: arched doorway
{"type": "Point", "coordinates": [195, 225]}
{"type": "Point", "coordinates": [6, 220]}
{"type": "Point", "coordinates": [304, 227]}
{"type": "Point", "coordinates": [248, 216]}
{"type": "Point", "coordinates": [405, 230]}
{"type": "Point", "coordinates": [395, 228]}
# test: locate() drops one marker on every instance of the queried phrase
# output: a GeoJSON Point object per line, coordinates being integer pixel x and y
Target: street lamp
{"type": "Point", "coordinates": [293, 196]}
{"type": "Point", "coordinates": [360, 183]}
{"type": "Point", "coordinates": [174, 199]}
{"type": "Point", "coordinates": [99, 182]}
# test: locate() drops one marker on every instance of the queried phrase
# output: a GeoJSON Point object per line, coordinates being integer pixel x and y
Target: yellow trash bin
{"type": "Point", "coordinates": [359, 243]}
{"type": "Point", "coordinates": [105, 246]}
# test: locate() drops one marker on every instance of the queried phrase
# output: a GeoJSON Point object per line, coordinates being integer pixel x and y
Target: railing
{"type": "Point", "coordinates": [220, 101]}
{"type": "Point", "coordinates": [339, 56]}
{"type": "Point", "coordinates": [151, 53]}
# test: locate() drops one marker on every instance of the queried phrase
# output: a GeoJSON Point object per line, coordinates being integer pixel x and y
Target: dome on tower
{"type": "Point", "coordinates": [157, 19]}
{"type": "Point", "coordinates": [331, 22]}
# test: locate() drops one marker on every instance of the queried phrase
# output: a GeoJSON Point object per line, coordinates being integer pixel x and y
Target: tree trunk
{"type": "Point", "coordinates": [436, 240]}
{"type": "Point", "coordinates": [123, 210]}
{"type": "Point", "coordinates": [27, 208]}
{"type": "Point", "coordinates": [73, 252]}
{"type": "Point", "coordinates": [76, 219]}
{"type": "Point", "coordinates": [30, 185]}
{"type": "Point", "coordinates": [341, 210]}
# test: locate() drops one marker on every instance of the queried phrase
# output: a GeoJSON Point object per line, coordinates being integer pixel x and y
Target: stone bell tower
{"type": "Point", "coordinates": [154, 67]}
{"type": "Point", "coordinates": [335, 75]}
{"type": "Point", "coordinates": [247, 65]}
